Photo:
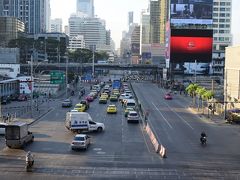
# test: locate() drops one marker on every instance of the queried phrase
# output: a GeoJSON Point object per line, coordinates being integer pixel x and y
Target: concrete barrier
{"type": "Point", "coordinates": [163, 152]}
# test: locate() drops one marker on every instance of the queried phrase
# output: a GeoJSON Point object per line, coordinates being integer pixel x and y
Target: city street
{"type": "Point", "coordinates": [124, 151]}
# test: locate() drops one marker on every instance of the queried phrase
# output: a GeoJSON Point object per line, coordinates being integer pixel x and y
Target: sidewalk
{"type": "Point", "coordinates": [25, 115]}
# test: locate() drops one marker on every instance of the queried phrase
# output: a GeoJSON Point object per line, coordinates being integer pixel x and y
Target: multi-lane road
{"type": "Point", "coordinates": [124, 151]}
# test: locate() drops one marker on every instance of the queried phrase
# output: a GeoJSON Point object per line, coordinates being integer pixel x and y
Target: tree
{"type": "Point", "coordinates": [200, 91]}
{"type": "Point", "coordinates": [191, 90]}
{"type": "Point", "coordinates": [207, 96]}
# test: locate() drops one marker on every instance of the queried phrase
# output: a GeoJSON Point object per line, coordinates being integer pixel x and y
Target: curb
{"type": "Point", "coordinates": [39, 117]}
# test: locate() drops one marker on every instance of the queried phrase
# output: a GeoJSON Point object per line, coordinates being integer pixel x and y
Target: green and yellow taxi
{"type": "Point", "coordinates": [116, 92]}
{"type": "Point", "coordinates": [112, 108]}
{"type": "Point", "coordinates": [103, 100]}
{"type": "Point", "coordinates": [127, 109]}
{"type": "Point", "coordinates": [104, 95]}
{"type": "Point", "coordinates": [80, 107]}
{"type": "Point", "coordinates": [113, 97]}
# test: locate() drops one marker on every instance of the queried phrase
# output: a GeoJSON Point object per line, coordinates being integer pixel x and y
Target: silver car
{"type": "Point", "coordinates": [133, 117]}
{"type": "Point", "coordinates": [67, 103]}
{"type": "Point", "coordinates": [80, 141]}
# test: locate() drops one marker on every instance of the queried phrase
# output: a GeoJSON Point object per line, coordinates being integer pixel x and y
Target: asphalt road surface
{"type": "Point", "coordinates": [124, 151]}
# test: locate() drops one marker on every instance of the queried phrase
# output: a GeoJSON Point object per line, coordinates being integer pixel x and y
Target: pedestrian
{"type": "Point", "coordinates": [122, 103]}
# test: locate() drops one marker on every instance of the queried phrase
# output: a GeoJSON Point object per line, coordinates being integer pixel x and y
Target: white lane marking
{"type": "Point", "coordinates": [162, 116]}
{"type": "Point", "coordinates": [180, 117]}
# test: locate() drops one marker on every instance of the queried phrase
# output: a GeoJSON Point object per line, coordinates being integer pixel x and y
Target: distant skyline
{"type": "Point", "coordinates": [115, 13]}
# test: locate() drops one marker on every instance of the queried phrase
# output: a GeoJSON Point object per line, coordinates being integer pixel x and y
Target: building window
{"type": "Point", "coordinates": [222, 15]}
{"type": "Point", "coordinates": [215, 9]}
{"type": "Point", "coordinates": [221, 20]}
{"type": "Point", "coordinates": [215, 3]}
{"type": "Point", "coordinates": [222, 3]}
{"type": "Point", "coordinates": [222, 9]}
{"type": "Point", "coordinates": [221, 38]}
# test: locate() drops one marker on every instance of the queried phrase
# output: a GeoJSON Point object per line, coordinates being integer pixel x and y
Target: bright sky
{"type": "Point", "coordinates": [115, 13]}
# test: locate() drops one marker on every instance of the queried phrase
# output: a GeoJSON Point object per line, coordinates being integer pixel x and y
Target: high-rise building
{"type": "Point", "coordinates": [86, 7]}
{"type": "Point", "coordinates": [93, 30]}
{"type": "Point", "coordinates": [221, 33]}
{"type": "Point", "coordinates": [56, 25]}
{"type": "Point", "coordinates": [154, 21]}
{"type": "Point", "coordinates": [108, 37]}
{"type": "Point", "coordinates": [145, 27]}
{"type": "Point", "coordinates": [130, 18]}
{"type": "Point", "coordinates": [34, 13]}
{"type": "Point", "coordinates": [222, 24]}
{"type": "Point", "coordinates": [145, 50]}
{"type": "Point", "coordinates": [164, 5]}
{"type": "Point", "coordinates": [13, 28]}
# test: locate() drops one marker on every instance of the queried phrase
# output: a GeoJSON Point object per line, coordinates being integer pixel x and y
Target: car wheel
{"type": "Point", "coordinates": [99, 129]}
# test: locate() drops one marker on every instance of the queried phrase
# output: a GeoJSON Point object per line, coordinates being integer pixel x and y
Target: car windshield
{"type": "Point", "coordinates": [133, 114]}
{"type": "Point", "coordinates": [79, 138]}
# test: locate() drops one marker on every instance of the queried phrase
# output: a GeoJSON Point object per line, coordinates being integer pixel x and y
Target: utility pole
{"type": "Point", "coordinates": [66, 76]}
{"type": "Point", "coordinates": [195, 72]}
{"type": "Point", "coordinates": [32, 85]}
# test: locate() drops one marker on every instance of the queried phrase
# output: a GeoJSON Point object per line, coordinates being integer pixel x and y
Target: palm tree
{"type": "Point", "coordinates": [191, 90]}
{"type": "Point", "coordinates": [207, 96]}
{"type": "Point", "coordinates": [200, 92]}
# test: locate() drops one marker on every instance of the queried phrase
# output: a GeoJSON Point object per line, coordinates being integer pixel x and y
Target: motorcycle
{"type": "Point", "coordinates": [203, 140]}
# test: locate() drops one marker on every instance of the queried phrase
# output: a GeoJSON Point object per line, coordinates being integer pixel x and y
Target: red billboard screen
{"type": "Point", "coordinates": [190, 45]}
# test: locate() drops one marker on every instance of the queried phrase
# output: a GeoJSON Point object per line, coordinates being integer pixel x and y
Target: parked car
{"type": "Point", "coordinates": [80, 141]}
{"type": "Point", "coordinates": [2, 128]}
{"type": "Point", "coordinates": [67, 103]}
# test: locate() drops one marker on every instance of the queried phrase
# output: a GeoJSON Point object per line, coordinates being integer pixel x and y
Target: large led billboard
{"type": "Point", "coordinates": [189, 45]}
{"type": "Point", "coordinates": [191, 11]}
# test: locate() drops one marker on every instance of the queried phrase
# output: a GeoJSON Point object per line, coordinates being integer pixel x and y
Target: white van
{"type": "Point", "coordinates": [82, 121]}
{"type": "Point", "coordinates": [130, 103]}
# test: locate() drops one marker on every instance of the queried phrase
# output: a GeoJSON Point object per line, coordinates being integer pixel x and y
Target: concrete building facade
{"type": "Point", "coordinates": [56, 25]}
{"type": "Point", "coordinates": [93, 30]}
{"type": "Point", "coordinates": [232, 75]}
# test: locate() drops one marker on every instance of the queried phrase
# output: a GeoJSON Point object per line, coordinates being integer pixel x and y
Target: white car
{"type": "Point", "coordinates": [125, 96]}
{"type": "Point", "coordinates": [133, 117]}
{"type": "Point", "coordinates": [2, 128]}
{"type": "Point", "coordinates": [80, 141]}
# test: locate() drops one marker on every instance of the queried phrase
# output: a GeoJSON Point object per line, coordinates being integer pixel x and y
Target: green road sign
{"type": "Point", "coordinates": [57, 77]}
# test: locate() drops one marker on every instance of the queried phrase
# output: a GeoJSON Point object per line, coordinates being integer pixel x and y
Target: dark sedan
{"type": "Point", "coordinates": [67, 103]}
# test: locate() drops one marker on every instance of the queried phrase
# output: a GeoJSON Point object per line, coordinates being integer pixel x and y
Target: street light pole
{"type": "Point", "coordinates": [66, 76]}
{"type": "Point", "coordinates": [31, 85]}
{"type": "Point", "coordinates": [93, 59]}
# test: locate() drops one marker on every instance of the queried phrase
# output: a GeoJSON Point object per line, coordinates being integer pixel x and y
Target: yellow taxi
{"type": "Point", "coordinates": [113, 97]}
{"type": "Point", "coordinates": [104, 95]}
{"type": "Point", "coordinates": [126, 111]}
{"type": "Point", "coordinates": [80, 107]}
{"type": "Point", "coordinates": [111, 108]}
{"type": "Point", "coordinates": [103, 100]}
{"type": "Point", "coordinates": [116, 92]}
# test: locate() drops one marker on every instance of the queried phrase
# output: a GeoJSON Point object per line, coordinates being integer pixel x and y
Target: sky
{"type": "Point", "coordinates": [115, 13]}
